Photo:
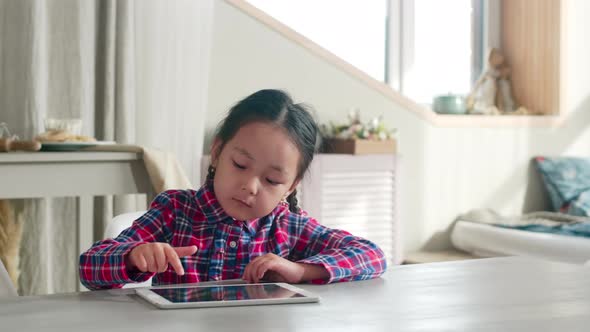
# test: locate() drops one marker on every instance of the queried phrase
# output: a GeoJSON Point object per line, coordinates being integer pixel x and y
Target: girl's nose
{"type": "Point", "coordinates": [251, 186]}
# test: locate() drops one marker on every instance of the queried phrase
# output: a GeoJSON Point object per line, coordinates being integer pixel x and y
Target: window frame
{"type": "Point", "coordinates": [400, 38]}
{"type": "Point", "coordinates": [558, 44]}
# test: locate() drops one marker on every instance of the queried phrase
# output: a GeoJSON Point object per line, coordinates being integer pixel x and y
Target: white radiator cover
{"type": "Point", "coordinates": [356, 193]}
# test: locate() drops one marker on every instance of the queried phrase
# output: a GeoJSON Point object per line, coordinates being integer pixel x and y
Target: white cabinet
{"type": "Point", "coordinates": [356, 193]}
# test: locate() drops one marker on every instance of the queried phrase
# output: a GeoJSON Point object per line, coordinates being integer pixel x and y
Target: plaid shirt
{"type": "Point", "coordinates": [226, 245]}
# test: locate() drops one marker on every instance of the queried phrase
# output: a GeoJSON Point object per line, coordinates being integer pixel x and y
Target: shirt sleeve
{"type": "Point", "coordinates": [103, 265]}
{"type": "Point", "coordinates": [345, 257]}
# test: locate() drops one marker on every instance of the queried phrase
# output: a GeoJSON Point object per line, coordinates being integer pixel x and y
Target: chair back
{"type": "Point", "coordinates": [120, 223]}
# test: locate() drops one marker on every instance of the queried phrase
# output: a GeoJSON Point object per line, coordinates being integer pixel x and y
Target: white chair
{"type": "Point", "coordinates": [115, 227]}
{"type": "Point", "coordinates": [120, 223]}
{"type": "Point", "coordinates": [7, 288]}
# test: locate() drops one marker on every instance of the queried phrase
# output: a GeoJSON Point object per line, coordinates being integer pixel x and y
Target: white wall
{"type": "Point", "coordinates": [446, 171]}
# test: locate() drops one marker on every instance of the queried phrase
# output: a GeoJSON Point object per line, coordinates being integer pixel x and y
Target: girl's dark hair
{"type": "Point", "coordinates": [276, 107]}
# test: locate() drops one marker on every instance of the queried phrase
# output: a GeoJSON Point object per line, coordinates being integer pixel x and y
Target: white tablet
{"type": "Point", "coordinates": [201, 296]}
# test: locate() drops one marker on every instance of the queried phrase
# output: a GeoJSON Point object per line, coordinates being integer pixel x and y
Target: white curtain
{"type": "Point", "coordinates": [134, 71]}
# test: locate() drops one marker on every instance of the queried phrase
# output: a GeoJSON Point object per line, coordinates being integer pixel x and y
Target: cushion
{"type": "Point", "coordinates": [567, 180]}
{"type": "Point", "coordinates": [580, 206]}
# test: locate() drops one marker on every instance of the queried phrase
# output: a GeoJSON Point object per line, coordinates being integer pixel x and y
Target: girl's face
{"type": "Point", "coordinates": [254, 170]}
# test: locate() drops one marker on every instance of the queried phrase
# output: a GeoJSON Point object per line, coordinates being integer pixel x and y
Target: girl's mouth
{"type": "Point", "coordinates": [242, 202]}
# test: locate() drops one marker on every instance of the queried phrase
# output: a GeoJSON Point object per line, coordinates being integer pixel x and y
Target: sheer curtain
{"type": "Point", "coordinates": [134, 71]}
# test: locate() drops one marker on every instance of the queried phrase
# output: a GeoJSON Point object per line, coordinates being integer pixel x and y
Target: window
{"type": "Point", "coordinates": [354, 30]}
{"type": "Point", "coordinates": [421, 48]}
{"type": "Point", "coordinates": [436, 46]}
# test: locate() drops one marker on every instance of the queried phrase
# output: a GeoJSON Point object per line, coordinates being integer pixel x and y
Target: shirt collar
{"type": "Point", "coordinates": [254, 225]}
{"type": "Point", "coordinates": [209, 205]}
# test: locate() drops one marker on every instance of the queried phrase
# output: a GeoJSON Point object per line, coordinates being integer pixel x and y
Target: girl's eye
{"type": "Point", "coordinates": [274, 183]}
{"type": "Point", "coordinates": [238, 165]}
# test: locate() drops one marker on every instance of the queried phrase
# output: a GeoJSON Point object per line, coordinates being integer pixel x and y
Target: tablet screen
{"type": "Point", "coordinates": [226, 293]}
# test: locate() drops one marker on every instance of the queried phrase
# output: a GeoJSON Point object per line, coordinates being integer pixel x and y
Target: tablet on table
{"type": "Point", "coordinates": [201, 296]}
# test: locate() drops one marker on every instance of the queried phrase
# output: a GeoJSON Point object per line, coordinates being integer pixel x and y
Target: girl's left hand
{"type": "Point", "coordinates": [273, 268]}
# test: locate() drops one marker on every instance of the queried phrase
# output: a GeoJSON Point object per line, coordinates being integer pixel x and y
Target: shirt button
{"type": "Point", "coordinates": [233, 244]}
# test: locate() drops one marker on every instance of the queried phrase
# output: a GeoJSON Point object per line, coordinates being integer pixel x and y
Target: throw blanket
{"type": "Point", "coordinates": [544, 222]}
{"type": "Point", "coordinates": [10, 235]}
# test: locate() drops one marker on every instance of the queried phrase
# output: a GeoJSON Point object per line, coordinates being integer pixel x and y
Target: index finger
{"type": "Point", "coordinates": [173, 260]}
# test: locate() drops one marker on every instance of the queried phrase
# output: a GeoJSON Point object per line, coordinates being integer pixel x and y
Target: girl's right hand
{"type": "Point", "coordinates": [155, 257]}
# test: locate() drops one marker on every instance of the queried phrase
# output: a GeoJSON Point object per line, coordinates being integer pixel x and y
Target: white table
{"type": "Point", "coordinates": [494, 294]}
{"type": "Point", "coordinates": [78, 174]}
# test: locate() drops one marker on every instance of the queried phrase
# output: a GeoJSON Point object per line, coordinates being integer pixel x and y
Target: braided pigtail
{"type": "Point", "coordinates": [292, 200]}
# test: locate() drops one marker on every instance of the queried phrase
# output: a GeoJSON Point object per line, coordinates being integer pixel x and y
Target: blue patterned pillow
{"type": "Point", "coordinates": [567, 180]}
{"type": "Point", "coordinates": [581, 205]}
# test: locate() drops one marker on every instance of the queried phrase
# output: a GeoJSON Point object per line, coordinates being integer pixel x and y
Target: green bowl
{"type": "Point", "coordinates": [449, 104]}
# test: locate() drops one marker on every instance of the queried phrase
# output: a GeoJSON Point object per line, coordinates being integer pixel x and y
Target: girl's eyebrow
{"type": "Point", "coordinates": [278, 169]}
{"type": "Point", "coordinates": [244, 152]}
{"type": "Point", "coordinates": [249, 156]}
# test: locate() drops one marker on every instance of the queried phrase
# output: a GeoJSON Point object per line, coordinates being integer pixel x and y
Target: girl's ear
{"type": "Point", "coordinates": [293, 187]}
{"type": "Point", "coordinates": [215, 151]}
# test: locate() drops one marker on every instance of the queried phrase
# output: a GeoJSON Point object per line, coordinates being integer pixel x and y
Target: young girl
{"type": "Point", "coordinates": [244, 221]}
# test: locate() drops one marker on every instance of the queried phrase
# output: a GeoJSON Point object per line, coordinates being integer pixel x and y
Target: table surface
{"type": "Point", "coordinates": [80, 174]}
{"type": "Point", "coordinates": [493, 294]}
{"type": "Point", "coordinates": [62, 174]}
{"type": "Point", "coordinates": [37, 157]}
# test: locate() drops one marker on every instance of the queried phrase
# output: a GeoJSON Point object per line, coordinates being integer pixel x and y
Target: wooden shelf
{"type": "Point", "coordinates": [452, 120]}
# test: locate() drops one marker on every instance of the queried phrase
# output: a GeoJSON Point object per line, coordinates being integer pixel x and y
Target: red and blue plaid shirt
{"type": "Point", "coordinates": [226, 245]}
